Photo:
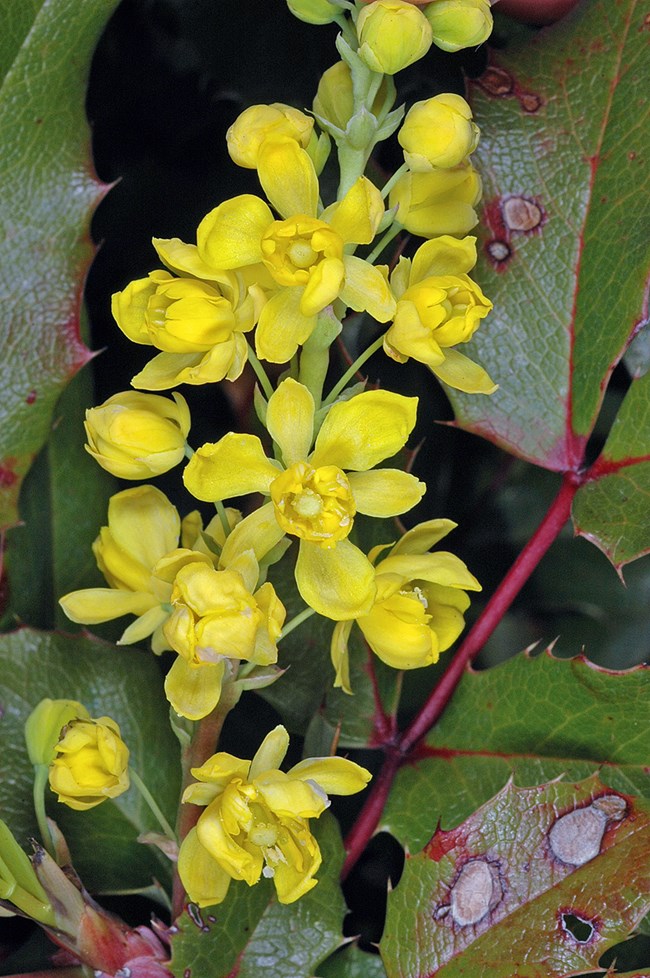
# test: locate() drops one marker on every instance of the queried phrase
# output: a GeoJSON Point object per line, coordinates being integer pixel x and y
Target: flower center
{"type": "Point", "coordinates": [314, 504]}
{"type": "Point", "coordinates": [293, 248]}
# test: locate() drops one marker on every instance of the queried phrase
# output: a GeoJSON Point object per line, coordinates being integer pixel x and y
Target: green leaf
{"type": "Point", "coordinates": [612, 509]}
{"type": "Point", "coordinates": [351, 962]}
{"type": "Point", "coordinates": [45, 247]}
{"type": "Point", "coordinates": [251, 934]}
{"type": "Point", "coordinates": [539, 882]}
{"type": "Point", "coordinates": [533, 718]}
{"type": "Point", "coordinates": [123, 684]}
{"type": "Point", "coordinates": [566, 199]}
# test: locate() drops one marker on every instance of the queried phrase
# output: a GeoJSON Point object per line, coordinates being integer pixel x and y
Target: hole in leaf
{"type": "Point", "coordinates": [580, 929]}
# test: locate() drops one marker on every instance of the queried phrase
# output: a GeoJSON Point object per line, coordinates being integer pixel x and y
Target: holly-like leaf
{"type": "Point", "coordinates": [124, 684]}
{"type": "Point", "coordinates": [563, 239]}
{"type": "Point", "coordinates": [50, 193]}
{"type": "Point", "coordinates": [612, 509]}
{"type": "Point", "coordinates": [534, 718]}
{"type": "Point", "coordinates": [251, 934]}
{"type": "Point", "coordinates": [537, 883]}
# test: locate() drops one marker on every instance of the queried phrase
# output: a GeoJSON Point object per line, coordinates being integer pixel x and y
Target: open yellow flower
{"type": "Point", "coordinates": [218, 615]}
{"type": "Point", "coordinates": [197, 321]}
{"type": "Point", "coordinates": [313, 497]}
{"type": "Point", "coordinates": [304, 252]}
{"type": "Point", "coordinates": [438, 307]}
{"type": "Point", "coordinates": [139, 553]}
{"type": "Point", "coordinates": [256, 820]}
{"type": "Point", "coordinates": [418, 609]}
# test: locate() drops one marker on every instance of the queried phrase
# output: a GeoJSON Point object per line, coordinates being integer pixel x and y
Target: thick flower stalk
{"type": "Point", "coordinates": [91, 763]}
{"type": "Point", "coordinates": [439, 307]}
{"type": "Point", "coordinates": [304, 254]}
{"type": "Point", "coordinates": [256, 820]}
{"type": "Point", "coordinates": [197, 321]}
{"type": "Point", "coordinates": [217, 616]}
{"type": "Point", "coordinates": [314, 495]}
{"type": "Point", "coordinates": [140, 552]}
{"type": "Point", "coordinates": [419, 607]}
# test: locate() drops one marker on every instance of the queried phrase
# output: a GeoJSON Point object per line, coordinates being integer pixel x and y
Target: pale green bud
{"type": "Point", "coordinates": [314, 11]}
{"type": "Point", "coordinates": [438, 132]}
{"type": "Point", "coordinates": [459, 24]}
{"type": "Point", "coordinates": [392, 34]}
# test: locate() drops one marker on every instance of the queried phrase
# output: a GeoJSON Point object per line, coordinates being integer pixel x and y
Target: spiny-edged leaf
{"type": "Point", "coordinates": [563, 239]}
{"type": "Point", "coordinates": [124, 684]}
{"type": "Point", "coordinates": [613, 508]}
{"type": "Point", "coordinates": [50, 553]}
{"type": "Point", "coordinates": [536, 718]}
{"type": "Point", "coordinates": [351, 962]}
{"type": "Point", "coordinates": [537, 883]}
{"type": "Point", "coordinates": [251, 934]}
{"type": "Point", "coordinates": [50, 191]}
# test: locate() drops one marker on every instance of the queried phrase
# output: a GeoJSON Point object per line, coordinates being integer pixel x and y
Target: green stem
{"type": "Point", "coordinates": [223, 517]}
{"type": "Point", "coordinates": [351, 371]}
{"type": "Point", "coordinates": [260, 373]}
{"type": "Point", "coordinates": [298, 620]}
{"type": "Point", "coordinates": [391, 233]}
{"type": "Point", "coordinates": [41, 773]}
{"type": "Point", "coordinates": [397, 175]}
{"type": "Point", "coordinates": [139, 784]}
{"type": "Point", "coordinates": [315, 356]}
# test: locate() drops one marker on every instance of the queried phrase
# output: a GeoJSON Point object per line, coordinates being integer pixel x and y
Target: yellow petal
{"type": "Point", "coordinates": [270, 753]}
{"type": "Point", "coordinates": [230, 235]}
{"type": "Point", "coordinates": [144, 626]}
{"type": "Point", "coordinates": [357, 217]}
{"type": "Point", "coordinates": [288, 177]}
{"type": "Point", "coordinates": [205, 882]}
{"type": "Point", "coordinates": [397, 631]}
{"type": "Point", "coordinates": [282, 327]}
{"type": "Point", "coordinates": [96, 604]}
{"type": "Point", "coordinates": [385, 492]}
{"type": "Point", "coordinates": [291, 799]}
{"type": "Point", "coordinates": [359, 433]}
{"type": "Point", "coordinates": [184, 259]}
{"type": "Point", "coordinates": [241, 864]}
{"type": "Point", "coordinates": [301, 859]}
{"type": "Point", "coordinates": [366, 289]}
{"type": "Point", "coordinates": [323, 286]}
{"type": "Point", "coordinates": [143, 523]}
{"type": "Point", "coordinates": [462, 373]}
{"type": "Point", "coordinates": [439, 568]}
{"type": "Point", "coordinates": [335, 775]}
{"type": "Point", "coordinates": [194, 691]}
{"type": "Point", "coordinates": [233, 466]}
{"type": "Point", "coordinates": [443, 256]}
{"type": "Point", "coordinates": [340, 656]}
{"type": "Point", "coordinates": [219, 770]}
{"type": "Point", "coordinates": [223, 361]}
{"type": "Point", "coordinates": [259, 532]}
{"type": "Point", "coordinates": [338, 583]}
{"type": "Point", "coordinates": [423, 537]}
{"type": "Point", "coordinates": [290, 420]}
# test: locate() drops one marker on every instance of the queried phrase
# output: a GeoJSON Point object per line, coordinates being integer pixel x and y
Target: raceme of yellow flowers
{"type": "Point", "coordinates": [270, 279]}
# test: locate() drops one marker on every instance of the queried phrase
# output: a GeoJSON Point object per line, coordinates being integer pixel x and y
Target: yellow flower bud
{"type": "Point", "coordinates": [439, 202]}
{"type": "Point", "coordinates": [459, 24]}
{"type": "Point", "coordinates": [392, 34]}
{"type": "Point", "coordinates": [91, 763]}
{"type": "Point", "coordinates": [137, 436]}
{"type": "Point", "coordinates": [334, 101]}
{"type": "Point", "coordinates": [44, 725]}
{"type": "Point", "coordinates": [438, 132]}
{"type": "Point", "coordinates": [260, 122]}
{"type": "Point", "coordinates": [314, 11]}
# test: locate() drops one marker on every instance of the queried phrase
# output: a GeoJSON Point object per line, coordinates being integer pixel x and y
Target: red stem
{"type": "Point", "coordinates": [546, 533]}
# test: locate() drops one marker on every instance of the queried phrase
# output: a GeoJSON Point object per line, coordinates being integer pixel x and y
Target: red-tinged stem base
{"type": "Point", "coordinates": [398, 750]}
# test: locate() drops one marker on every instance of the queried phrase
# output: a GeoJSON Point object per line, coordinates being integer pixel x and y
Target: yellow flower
{"type": "Point", "coordinates": [215, 617]}
{"type": "Point", "coordinates": [440, 202]}
{"type": "Point", "coordinates": [312, 496]}
{"type": "Point", "coordinates": [303, 253]}
{"type": "Point", "coordinates": [439, 306]}
{"type": "Point", "coordinates": [418, 610]}
{"type": "Point", "coordinates": [438, 132]}
{"type": "Point", "coordinates": [91, 763]}
{"type": "Point", "coordinates": [139, 555]}
{"type": "Point", "coordinates": [198, 321]}
{"type": "Point", "coordinates": [44, 725]}
{"type": "Point", "coordinates": [392, 34]}
{"type": "Point", "coordinates": [137, 436]}
{"type": "Point", "coordinates": [459, 24]}
{"type": "Point", "coordinates": [334, 100]}
{"type": "Point", "coordinates": [256, 820]}
{"type": "Point", "coordinates": [314, 11]}
{"type": "Point", "coordinates": [259, 122]}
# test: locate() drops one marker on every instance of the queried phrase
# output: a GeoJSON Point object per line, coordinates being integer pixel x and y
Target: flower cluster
{"type": "Point", "coordinates": [270, 279]}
